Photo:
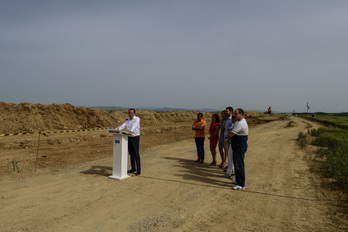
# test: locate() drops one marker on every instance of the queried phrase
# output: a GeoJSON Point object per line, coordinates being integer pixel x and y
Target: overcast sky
{"type": "Point", "coordinates": [189, 54]}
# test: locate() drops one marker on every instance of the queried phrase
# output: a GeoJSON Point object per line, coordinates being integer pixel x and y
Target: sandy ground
{"type": "Point", "coordinates": [176, 194]}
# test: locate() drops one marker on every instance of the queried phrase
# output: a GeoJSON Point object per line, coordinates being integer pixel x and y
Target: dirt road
{"type": "Point", "coordinates": [175, 194]}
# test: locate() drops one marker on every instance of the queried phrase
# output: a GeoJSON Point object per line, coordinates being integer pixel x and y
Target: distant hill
{"type": "Point", "coordinates": [165, 109]}
{"type": "Point", "coordinates": [178, 109]}
{"type": "Point", "coordinates": [162, 109]}
{"type": "Point", "coordinates": [261, 111]}
{"type": "Point", "coordinates": [323, 113]}
{"type": "Point", "coordinates": [106, 107]}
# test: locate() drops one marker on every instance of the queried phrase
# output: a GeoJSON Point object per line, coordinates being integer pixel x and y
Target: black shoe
{"type": "Point", "coordinates": [138, 173]}
{"type": "Point", "coordinates": [131, 171]}
{"type": "Point", "coordinates": [198, 160]}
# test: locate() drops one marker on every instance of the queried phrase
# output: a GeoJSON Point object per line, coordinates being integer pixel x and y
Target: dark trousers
{"type": "Point", "coordinates": [200, 147]}
{"type": "Point", "coordinates": [133, 149]}
{"type": "Point", "coordinates": [239, 147]}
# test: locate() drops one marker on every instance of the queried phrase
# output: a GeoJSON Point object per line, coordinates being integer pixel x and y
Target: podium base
{"type": "Point", "coordinates": [118, 177]}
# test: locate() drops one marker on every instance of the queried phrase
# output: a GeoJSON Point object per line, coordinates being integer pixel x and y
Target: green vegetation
{"type": "Point", "coordinates": [323, 114]}
{"type": "Point", "coordinates": [335, 120]}
{"type": "Point", "coordinates": [14, 165]}
{"type": "Point", "coordinates": [333, 145]}
{"type": "Point", "coordinates": [290, 124]}
{"type": "Point", "coordinates": [309, 125]}
{"type": "Point", "coordinates": [177, 138]}
{"type": "Point", "coordinates": [302, 140]}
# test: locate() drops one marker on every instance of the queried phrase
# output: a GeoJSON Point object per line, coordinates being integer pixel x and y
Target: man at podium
{"type": "Point", "coordinates": [132, 124]}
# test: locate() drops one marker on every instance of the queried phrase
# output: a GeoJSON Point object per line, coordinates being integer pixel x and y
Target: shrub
{"type": "Point", "coordinates": [337, 165]}
{"type": "Point", "coordinates": [314, 133]}
{"type": "Point", "coordinates": [309, 125]}
{"type": "Point", "coordinates": [334, 146]}
{"type": "Point", "coordinates": [302, 140]}
{"type": "Point", "coordinates": [15, 165]}
{"type": "Point", "coordinates": [290, 124]}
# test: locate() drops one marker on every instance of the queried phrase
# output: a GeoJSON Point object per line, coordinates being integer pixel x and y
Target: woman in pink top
{"type": "Point", "coordinates": [214, 136]}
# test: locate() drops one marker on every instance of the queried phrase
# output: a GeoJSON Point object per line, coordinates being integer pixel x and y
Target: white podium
{"type": "Point", "coordinates": [120, 150]}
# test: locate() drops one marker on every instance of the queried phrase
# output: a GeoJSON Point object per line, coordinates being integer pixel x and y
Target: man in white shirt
{"type": "Point", "coordinates": [239, 137]}
{"type": "Point", "coordinates": [132, 124]}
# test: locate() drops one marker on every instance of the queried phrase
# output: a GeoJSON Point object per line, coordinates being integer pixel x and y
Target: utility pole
{"type": "Point", "coordinates": [307, 113]}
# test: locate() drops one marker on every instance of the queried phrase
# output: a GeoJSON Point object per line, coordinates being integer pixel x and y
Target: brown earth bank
{"type": "Point", "coordinates": [27, 117]}
{"type": "Point", "coordinates": [28, 152]}
{"type": "Point", "coordinates": [60, 183]}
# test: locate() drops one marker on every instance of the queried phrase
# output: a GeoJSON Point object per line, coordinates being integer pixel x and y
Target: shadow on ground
{"type": "Point", "coordinates": [205, 173]}
{"type": "Point", "coordinates": [99, 170]}
{"type": "Point", "coordinates": [211, 176]}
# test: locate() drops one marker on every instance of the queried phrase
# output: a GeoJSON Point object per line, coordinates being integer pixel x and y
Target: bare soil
{"type": "Point", "coordinates": [70, 189]}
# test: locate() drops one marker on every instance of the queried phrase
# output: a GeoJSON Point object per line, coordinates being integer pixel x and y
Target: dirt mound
{"type": "Point", "coordinates": [27, 117]}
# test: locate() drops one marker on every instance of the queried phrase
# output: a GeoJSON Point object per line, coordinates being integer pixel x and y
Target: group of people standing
{"type": "Point", "coordinates": [231, 135]}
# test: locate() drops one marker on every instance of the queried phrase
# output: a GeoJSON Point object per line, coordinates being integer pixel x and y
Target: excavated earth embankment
{"type": "Point", "coordinates": [29, 151]}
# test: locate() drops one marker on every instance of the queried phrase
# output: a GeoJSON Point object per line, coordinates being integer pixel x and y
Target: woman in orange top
{"type": "Point", "coordinates": [199, 127]}
{"type": "Point", "coordinates": [214, 136]}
